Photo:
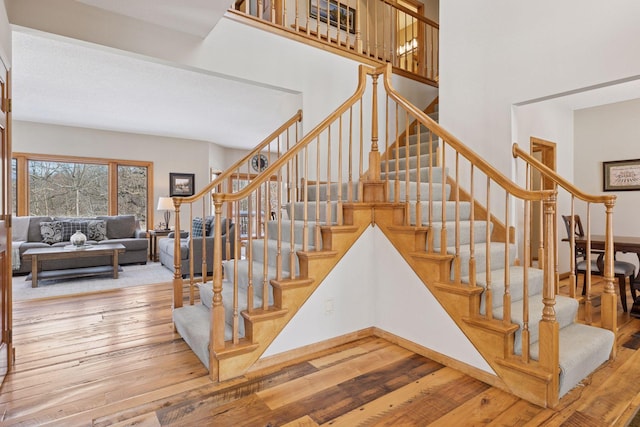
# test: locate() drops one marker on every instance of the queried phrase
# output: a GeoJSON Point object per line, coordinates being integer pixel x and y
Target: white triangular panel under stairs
{"type": "Point", "coordinates": [372, 285]}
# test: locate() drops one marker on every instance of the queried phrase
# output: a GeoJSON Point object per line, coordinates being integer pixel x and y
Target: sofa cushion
{"type": "Point", "coordinates": [34, 234]}
{"type": "Point", "coordinates": [51, 231]}
{"type": "Point", "coordinates": [20, 228]}
{"type": "Point", "coordinates": [120, 226]}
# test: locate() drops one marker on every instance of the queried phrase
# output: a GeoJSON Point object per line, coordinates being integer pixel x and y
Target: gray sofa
{"type": "Point", "coordinates": [166, 249]}
{"type": "Point", "coordinates": [124, 229]}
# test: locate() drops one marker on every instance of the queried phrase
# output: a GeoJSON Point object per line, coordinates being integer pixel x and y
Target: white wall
{"type": "Point", "coordinates": [606, 133]}
{"type": "Point", "coordinates": [167, 154]}
{"type": "Point", "coordinates": [494, 54]}
{"type": "Point", "coordinates": [383, 292]}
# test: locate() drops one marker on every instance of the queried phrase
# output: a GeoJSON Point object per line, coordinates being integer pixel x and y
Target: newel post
{"type": "Point", "coordinates": [549, 328]}
{"type": "Point", "coordinates": [374, 154]}
{"type": "Point", "coordinates": [374, 190]}
{"type": "Point", "coordinates": [177, 274]}
{"type": "Point", "coordinates": [217, 309]}
{"type": "Point", "coordinates": [609, 302]}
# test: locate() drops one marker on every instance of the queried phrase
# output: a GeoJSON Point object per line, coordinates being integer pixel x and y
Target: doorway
{"type": "Point", "coordinates": [545, 152]}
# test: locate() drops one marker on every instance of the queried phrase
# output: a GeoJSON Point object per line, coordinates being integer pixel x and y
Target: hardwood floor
{"type": "Point", "coordinates": [113, 359]}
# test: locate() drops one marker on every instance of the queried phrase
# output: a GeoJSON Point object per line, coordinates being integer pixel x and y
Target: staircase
{"type": "Point", "coordinates": [464, 255]}
{"type": "Point", "coordinates": [576, 359]}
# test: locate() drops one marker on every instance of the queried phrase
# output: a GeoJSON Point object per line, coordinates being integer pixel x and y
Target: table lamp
{"type": "Point", "coordinates": [165, 204]}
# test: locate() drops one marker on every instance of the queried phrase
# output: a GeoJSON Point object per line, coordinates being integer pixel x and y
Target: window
{"type": "Point", "coordinates": [73, 186]}
{"type": "Point", "coordinates": [132, 191]}
{"type": "Point", "coordinates": [67, 189]}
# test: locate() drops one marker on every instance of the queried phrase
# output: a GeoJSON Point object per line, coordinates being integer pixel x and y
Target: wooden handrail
{"type": "Point", "coordinates": [363, 71]}
{"type": "Point", "coordinates": [465, 151]}
{"type": "Point", "coordinates": [562, 182]}
{"type": "Point", "coordinates": [412, 13]}
{"type": "Point", "coordinates": [297, 117]}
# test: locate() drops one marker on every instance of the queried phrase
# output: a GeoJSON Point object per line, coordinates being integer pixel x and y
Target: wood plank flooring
{"type": "Point", "coordinates": [112, 358]}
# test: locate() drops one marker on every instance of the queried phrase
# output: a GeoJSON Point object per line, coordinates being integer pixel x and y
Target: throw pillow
{"type": "Point", "coordinates": [71, 226]}
{"type": "Point", "coordinates": [208, 225]}
{"type": "Point", "coordinates": [96, 230]}
{"type": "Point", "coordinates": [196, 227]}
{"type": "Point", "coordinates": [51, 232]}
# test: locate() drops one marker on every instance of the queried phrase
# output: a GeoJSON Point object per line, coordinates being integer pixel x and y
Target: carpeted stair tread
{"type": "Point", "coordinates": [243, 274]}
{"type": "Point", "coordinates": [192, 323]}
{"type": "Point", "coordinates": [566, 311]}
{"type": "Point", "coordinates": [323, 191]}
{"type": "Point", "coordinates": [206, 296]}
{"type": "Point", "coordinates": [412, 191]}
{"type": "Point", "coordinates": [425, 146]}
{"type": "Point", "coordinates": [516, 288]}
{"type": "Point", "coordinates": [497, 251]}
{"type": "Point", "coordinates": [296, 211]}
{"type": "Point", "coordinates": [400, 164]}
{"type": "Point", "coordinates": [272, 253]}
{"type": "Point", "coordinates": [450, 211]}
{"type": "Point", "coordinates": [583, 349]}
{"type": "Point", "coordinates": [436, 174]}
{"type": "Point", "coordinates": [479, 229]}
{"type": "Point", "coordinates": [298, 231]}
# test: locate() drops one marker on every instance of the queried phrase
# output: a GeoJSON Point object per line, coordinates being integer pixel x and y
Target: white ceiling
{"type": "Point", "coordinates": [197, 17]}
{"type": "Point", "coordinates": [61, 81]}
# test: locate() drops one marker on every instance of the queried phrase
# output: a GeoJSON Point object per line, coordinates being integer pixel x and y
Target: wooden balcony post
{"type": "Point", "coordinates": [549, 328]}
{"type": "Point", "coordinates": [609, 303]}
{"type": "Point", "coordinates": [358, 30]}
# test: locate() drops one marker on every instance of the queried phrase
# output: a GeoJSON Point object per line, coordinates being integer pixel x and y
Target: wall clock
{"type": "Point", "coordinates": [259, 162]}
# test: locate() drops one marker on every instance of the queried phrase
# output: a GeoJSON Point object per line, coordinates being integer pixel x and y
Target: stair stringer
{"type": "Point", "coordinates": [263, 326]}
{"type": "Point", "coordinates": [493, 339]}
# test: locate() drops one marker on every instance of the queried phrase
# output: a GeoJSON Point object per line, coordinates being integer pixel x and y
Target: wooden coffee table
{"type": "Point", "coordinates": [65, 252]}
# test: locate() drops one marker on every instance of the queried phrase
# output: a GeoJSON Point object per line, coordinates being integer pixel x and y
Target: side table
{"type": "Point", "coordinates": [153, 242]}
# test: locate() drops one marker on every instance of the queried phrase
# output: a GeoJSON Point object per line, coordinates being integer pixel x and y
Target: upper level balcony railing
{"type": "Point", "coordinates": [382, 31]}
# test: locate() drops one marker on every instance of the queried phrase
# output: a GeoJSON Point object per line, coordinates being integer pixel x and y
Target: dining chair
{"type": "Point", "coordinates": [621, 269]}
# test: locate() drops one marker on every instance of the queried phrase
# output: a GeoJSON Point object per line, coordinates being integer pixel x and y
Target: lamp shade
{"type": "Point", "coordinates": [165, 204]}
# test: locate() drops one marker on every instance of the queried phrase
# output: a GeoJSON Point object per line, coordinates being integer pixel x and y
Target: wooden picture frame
{"type": "Point", "coordinates": [337, 12]}
{"type": "Point", "coordinates": [621, 175]}
{"type": "Point", "coordinates": [181, 184]}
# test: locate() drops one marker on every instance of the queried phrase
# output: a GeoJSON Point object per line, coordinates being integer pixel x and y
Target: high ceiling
{"type": "Point", "coordinates": [65, 82]}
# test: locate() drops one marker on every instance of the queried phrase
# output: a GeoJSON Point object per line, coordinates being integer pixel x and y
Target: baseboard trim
{"type": "Point", "coordinates": [274, 362]}
{"type": "Point", "coordinates": [291, 356]}
{"type": "Point", "coordinates": [472, 371]}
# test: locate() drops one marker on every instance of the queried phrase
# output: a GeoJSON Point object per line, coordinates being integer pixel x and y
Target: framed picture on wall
{"type": "Point", "coordinates": [621, 175]}
{"type": "Point", "coordinates": [338, 13]}
{"type": "Point", "coordinates": [181, 184]}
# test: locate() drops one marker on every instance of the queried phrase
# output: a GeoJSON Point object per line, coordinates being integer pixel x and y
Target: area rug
{"type": "Point", "coordinates": [130, 275]}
